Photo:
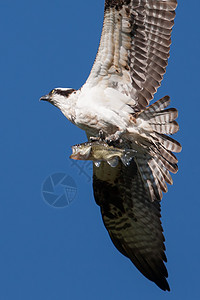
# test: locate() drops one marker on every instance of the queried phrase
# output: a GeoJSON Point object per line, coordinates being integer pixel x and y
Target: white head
{"type": "Point", "coordinates": [58, 97]}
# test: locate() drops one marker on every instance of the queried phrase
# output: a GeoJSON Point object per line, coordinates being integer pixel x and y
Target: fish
{"type": "Point", "coordinates": [98, 151]}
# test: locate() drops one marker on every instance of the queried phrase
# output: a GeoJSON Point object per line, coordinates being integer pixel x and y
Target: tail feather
{"type": "Point", "coordinates": [169, 128]}
{"type": "Point", "coordinates": [153, 176]}
{"type": "Point", "coordinates": [157, 161]}
{"type": "Point", "coordinates": [167, 115]}
{"type": "Point", "coordinates": [164, 170]}
{"type": "Point", "coordinates": [150, 181]}
{"type": "Point", "coordinates": [168, 155]}
{"type": "Point", "coordinates": [172, 167]}
{"type": "Point", "coordinates": [167, 142]}
{"type": "Point", "coordinates": [160, 119]}
{"type": "Point", "coordinates": [158, 105]}
{"type": "Point", "coordinates": [158, 174]}
{"type": "Point", "coordinates": [163, 121]}
{"type": "Point", "coordinates": [161, 116]}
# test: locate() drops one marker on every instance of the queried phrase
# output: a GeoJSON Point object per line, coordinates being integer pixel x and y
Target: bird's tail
{"type": "Point", "coordinates": [158, 160]}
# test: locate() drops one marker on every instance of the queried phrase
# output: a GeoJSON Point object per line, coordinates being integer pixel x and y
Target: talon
{"type": "Point", "coordinates": [99, 138]}
{"type": "Point", "coordinates": [112, 138]}
{"type": "Point", "coordinates": [109, 141]}
{"type": "Point", "coordinates": [94, 138]}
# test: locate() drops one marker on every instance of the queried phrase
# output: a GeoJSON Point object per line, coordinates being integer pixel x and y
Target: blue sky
{"type": "Point", "coordinates": [51, 253]}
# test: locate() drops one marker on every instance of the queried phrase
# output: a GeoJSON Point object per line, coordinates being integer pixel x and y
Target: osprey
{"type": "Point", "coordinates": [128, 69]}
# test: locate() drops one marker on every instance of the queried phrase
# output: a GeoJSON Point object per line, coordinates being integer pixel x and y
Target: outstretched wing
{"type": "Point", "coordinates": [132, 219]}
{"type": "Point", "coordinates": [134, 47]}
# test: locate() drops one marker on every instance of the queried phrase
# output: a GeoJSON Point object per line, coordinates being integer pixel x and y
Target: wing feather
{"type": "Point", "coordinates": [132, 220]}
{"type": "Point", "coordinates": [134, 47]}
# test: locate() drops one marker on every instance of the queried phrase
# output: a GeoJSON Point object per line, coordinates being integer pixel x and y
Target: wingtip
{"type": "Point", "coordinates": [163, 285]}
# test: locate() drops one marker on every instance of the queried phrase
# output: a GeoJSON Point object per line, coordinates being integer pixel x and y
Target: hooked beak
{"type": "Point", "coordinates": [45, 98]}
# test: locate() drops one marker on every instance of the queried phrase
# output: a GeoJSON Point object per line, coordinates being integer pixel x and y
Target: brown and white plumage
{"type": "Point", "coordinates": [132, 58]}
{"type": "Point", "coordinates": [129, 67]}
{"type": "Point", "coordinates": [133, 222]}
{"type": "Point", "coordinates": [134, 47]}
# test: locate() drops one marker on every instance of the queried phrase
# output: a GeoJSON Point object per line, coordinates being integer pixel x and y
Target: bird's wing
{"type": "Point", "coordinates": [132, 219]}
{"type": "Point", "coordinates": [134, 47]}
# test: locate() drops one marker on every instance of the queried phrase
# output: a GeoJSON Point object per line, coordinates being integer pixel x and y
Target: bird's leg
{"type": "Point", "coordinates": [110, 139]}
{"type": "Point", "coordinates": [100, 137]}
{"type": "Point", "coordinates": [94, 138]}
{"type": "Point", "coordinates": [115, 137]}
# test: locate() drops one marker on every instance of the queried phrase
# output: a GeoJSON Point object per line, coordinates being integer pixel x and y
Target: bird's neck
{"type": "Point", "coordinates": [68, 106]}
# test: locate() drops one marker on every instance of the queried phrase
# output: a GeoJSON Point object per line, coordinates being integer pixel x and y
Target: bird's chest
{"type": "Point", "coordinates": [94, 114]}
{"type": "Point", "coordinates": [92, 121]}
{"type": "Point", "coordinates": [95, 110]}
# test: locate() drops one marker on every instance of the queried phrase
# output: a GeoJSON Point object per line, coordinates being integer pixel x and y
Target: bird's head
{"type": "Point", "coordinates": [58, 96]}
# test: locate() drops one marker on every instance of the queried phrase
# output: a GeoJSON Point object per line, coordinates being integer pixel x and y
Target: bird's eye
{"type": "Point", "coordinates": [52, 91]}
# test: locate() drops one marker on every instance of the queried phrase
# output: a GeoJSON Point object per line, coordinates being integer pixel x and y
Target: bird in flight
{"type": "Point", "coordinates": [128, 69]}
